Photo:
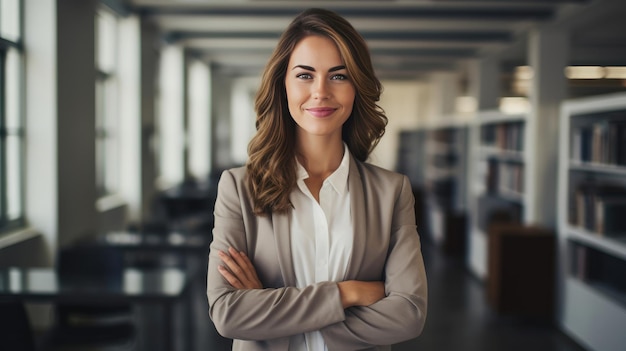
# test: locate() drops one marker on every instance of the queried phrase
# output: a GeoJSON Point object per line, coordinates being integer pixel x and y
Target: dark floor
{"type": "Point", "coordinates": [459, 318]}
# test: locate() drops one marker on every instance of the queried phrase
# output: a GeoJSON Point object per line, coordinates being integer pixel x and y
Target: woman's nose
{"type": "Point", "coordinates": [321, 90]}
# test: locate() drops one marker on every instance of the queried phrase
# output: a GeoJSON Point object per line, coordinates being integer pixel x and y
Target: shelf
{"type": "Point", "coordinates": [440, 175]}
{"type": "Point", "coordinates": [593, 310]}
{"type": "Point", "coordinates": [597, 168]}
{"type": "Point", "coordinates": [492, 117]}
{"type": "Point", "coordinates": [510, 195]}
{"type": "Point", "coordinates": [502, 154]}
{"type": "Point", "coordinates": [592, 318]}
{"type": "Point", "coordinates": [440, 147]}
{"type": "Point", "coordinates": [609, 292]}
{"type": "Point", "coordinates": [610, 245]}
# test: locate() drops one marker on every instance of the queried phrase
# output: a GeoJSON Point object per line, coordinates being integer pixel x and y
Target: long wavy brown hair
{"type": "Point", "coordinates": [271, 166]}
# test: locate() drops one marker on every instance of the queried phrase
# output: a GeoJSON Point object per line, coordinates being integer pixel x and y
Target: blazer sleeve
{"type": "Point", "coordinates": [259, 314]}
{"type": "Point", "coordinates": [402, 313]}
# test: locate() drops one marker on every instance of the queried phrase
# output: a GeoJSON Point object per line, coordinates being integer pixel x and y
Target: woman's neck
{"type": "Point", "coordinates": [320, 156]}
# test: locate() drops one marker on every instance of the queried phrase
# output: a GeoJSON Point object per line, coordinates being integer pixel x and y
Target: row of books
{"type": "Point", "coordinates": [505, 177]}
{"type": "Point", "coordinates": [597, 268]}
{"type": "Point", "coordinates": [445, 135]}
{"type": "Point", "coordinates": [600, 142]}
{"type": "Point", "coordinates": [506, 136]}
{"type": "Point", "coordinates": [600, 208]}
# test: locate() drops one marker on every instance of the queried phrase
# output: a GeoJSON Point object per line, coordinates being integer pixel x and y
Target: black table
{"type": "Point", "coordinates": [153, 242]}
{"type": "Point", "coordinates": [164, 287]}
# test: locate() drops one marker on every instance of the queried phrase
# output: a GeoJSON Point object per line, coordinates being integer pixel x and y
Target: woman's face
{"type": "Point", "coordinates": [320, 94]}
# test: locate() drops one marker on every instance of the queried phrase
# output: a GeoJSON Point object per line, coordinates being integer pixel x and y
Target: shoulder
{"type": "Point", "coordinates": [233, 198]}
{"type": "Point", "coordinates": [234, 175]}
{"type": "Point", "coordinates": [370, 172]}
{"type": "Point", "coordinates": [233, 180]}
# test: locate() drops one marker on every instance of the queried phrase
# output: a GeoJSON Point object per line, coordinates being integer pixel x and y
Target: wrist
{"type": "Point", "coordinates": [346, 293]}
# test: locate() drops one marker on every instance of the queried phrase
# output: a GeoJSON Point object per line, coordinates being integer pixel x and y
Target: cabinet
{"type": "Point", "coordinates": [518, 284]}
{"type": "Point", "coordinates": [592, 221]}
{"type": "Point", "coordinates": [498, 177]}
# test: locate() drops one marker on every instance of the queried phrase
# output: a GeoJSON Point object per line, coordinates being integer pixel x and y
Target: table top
{"type": "Point", "coordinates": [135, 285]}
{"type": "Point", "coordinates": [152, 242]}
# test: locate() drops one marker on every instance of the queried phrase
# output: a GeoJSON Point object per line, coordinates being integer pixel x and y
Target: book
{"type": "Point", "coordinates": [600, 208]}
{"type": "Point", "coordinates": [610, 215]}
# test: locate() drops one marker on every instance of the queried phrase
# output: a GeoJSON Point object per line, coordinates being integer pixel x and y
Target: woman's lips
{"type": "Point", "coordinates": [320, 111]}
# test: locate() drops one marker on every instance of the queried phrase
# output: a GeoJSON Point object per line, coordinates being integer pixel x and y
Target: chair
{"type": "Point", "coordinates": [81, 326]}
{"type": "Point", "coordinates": [15, 328]}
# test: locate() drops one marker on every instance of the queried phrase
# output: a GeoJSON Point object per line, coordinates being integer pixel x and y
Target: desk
{"type": "Point", "coordinates": [158, 286]}
{"type": "Point", "coordinates": [189, 206]}
{"type": "Point", "coordinates": [173, 242]}
{"type": "Point", "coordinates": [194, 247]}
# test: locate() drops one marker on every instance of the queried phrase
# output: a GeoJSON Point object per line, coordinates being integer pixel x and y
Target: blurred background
{"type": "Point", "coordinates": [118, 116]}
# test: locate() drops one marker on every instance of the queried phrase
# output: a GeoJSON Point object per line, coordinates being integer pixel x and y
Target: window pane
{"type": "Point", "coordinates": [105, 41]}
{"type": "Point", "coordinates": [12, 89]}
{"type": "Point", "coordinates": [100, 156]}
{"type": "Point", "coordinates": [10, 20]}
{"type": "Point", "coordinates": [111, 125]}
{"type": "Point", "coordinates": [14, 182]}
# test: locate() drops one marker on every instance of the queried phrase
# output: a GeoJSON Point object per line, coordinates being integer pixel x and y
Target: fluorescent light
{"type": "Point", "coordinates": [615, 72]}
{"type": "Point", "coordinates": [524, 73]}
{"type": "Point", "coordinates": [584, 72]}
{"type": "Point", "coordinates": [514, 105]}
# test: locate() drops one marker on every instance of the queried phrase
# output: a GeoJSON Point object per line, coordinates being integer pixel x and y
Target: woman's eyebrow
{"type": "Point", "coordinates": [309, 68]}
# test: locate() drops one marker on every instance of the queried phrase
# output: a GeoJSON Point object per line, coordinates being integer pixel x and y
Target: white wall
{"type": "Point", "coordinates": [76, 76]}
{"type": "Point", "coordinates": [243, 116]}
{"type": "Point", "coordinates": [406, 105]}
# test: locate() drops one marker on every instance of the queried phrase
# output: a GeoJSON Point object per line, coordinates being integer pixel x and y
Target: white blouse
{"type": "Point", "coordinates": [321, 237]}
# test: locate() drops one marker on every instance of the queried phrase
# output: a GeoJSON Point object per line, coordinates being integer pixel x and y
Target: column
{"type": "Point", "coordinates": [548, 53]}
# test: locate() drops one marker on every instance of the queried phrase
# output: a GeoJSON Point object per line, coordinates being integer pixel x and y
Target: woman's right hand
{"type": "Point", "coordinates": [360, 293]}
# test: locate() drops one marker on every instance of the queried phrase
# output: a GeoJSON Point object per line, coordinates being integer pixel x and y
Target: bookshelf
{"type": "Point", "coordinates": [497, 179]}
{"type": "Point", "coordinates": [445, 166]}
{"type": "Point", "coordinates": [592, 221]}
{"type": "Point", "coordinates": [411, 162]}
{"type": "Point", "coordinates": [434, 157]}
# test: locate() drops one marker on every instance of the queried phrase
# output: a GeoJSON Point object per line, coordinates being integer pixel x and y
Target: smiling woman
{"type": "Point", "coordinates": [320, 97]}
{"type": "Point", "coordinates": [315, 249]}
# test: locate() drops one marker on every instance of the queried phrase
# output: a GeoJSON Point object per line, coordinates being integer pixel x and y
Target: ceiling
{"type": "Point", "coordinates": [407, 39]}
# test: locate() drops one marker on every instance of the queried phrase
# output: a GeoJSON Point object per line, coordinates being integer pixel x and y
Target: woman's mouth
{"type": "Point", "coordinates": [320, 112]}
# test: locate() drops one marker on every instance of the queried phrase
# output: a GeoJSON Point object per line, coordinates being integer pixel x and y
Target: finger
{"type": "Point", "coordinates": [244, 263]}
{"type": "Point", "coordinates": [231, 279]}
{"type": "Point", "coordinates": [249, 265]}
{"type": "Point", "coordinates": [249, 277]}
{"type": "Point", "coordinates": [231, 264]}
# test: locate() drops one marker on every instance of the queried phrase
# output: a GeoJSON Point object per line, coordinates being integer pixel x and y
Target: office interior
{"type": "Point", "coordinates": [508, 117]}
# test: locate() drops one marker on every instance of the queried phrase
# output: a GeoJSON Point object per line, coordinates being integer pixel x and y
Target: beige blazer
{"type": "Point", "coordinates": [386, 247]}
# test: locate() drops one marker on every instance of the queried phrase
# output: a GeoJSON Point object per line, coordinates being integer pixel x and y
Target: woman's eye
{"type": "Point", "coordinates": [303, 76]}
{"type": "Point", "coordinates": [339, 77]}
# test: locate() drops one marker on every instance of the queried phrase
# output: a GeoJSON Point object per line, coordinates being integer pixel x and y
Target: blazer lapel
{"type": "Point", "coordinates": [359, 225]}
{"type": "Point", "coordinates": [282, 239]}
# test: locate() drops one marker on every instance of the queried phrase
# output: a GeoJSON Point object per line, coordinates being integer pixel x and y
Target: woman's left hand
{"type": "Point", "coordinates": [238, 270]}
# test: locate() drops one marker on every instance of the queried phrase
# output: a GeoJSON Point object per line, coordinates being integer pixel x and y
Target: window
{"type": "Point", "coordinates": [107, 122]}
{"type": "Point", "coordinates": [11, 129]}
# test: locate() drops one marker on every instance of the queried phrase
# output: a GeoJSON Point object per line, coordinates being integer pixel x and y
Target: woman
{"type": "Point", "coordinates": [314, 249]}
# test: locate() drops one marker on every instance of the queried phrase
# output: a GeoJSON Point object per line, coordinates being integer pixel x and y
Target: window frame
{"type": "Point", "coordinates": [9, 224]}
